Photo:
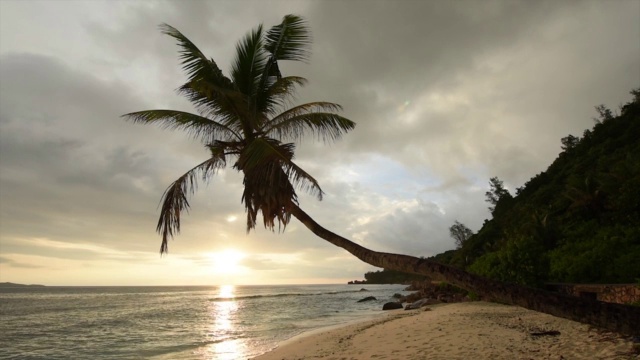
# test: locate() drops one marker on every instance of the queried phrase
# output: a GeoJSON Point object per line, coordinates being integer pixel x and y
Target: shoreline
{"type": "Point", "coordinates": [366, 321]}
{"type": "Point", "coordinates": [469, 330]}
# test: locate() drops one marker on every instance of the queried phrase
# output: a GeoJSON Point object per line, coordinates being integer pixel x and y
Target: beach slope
{"type": "Point", "coordinates": [471, 330]}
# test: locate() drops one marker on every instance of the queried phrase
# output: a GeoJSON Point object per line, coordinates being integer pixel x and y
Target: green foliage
{"type": "Point", "coordinates": [519, 260]}
{"type": "Point", "coordinates": [448, 288]}
{"type": "Point", "coordinates": [497, 194]}
{"type": "Point", "coordinates": [609, 255]}
{"type": "Point", "coordinates": [460, 233]}
{"type": "Point", "coordinates": [578, 221]}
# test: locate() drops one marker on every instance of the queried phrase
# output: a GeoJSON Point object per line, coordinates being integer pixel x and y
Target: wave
{"type": "Point", "coordinates": [249, 297]}
{"type": "Point", "coordinates": [169, 352]}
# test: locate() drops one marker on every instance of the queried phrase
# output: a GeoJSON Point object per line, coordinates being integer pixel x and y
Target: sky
{"type": "Point", "coordinates": [445, 94]}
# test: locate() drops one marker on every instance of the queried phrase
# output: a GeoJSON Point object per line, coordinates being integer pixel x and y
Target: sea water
{"type": "Point", "coordinates": [217, 322]}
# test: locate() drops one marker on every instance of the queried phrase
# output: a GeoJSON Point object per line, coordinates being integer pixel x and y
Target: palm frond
{"type": "Point", "coordinates": [311, 117]}
{"type": "Point", "coordinates": [278, 94]}
{"type": "Point", "coordinates": [303, 180]}
{"type": "Point", "coordinates": [267, 189]}
{"type": "Point", "coordinates": [270, 180]}
{"type": "Point", "coordinates": [196, 125]}
{"type": "Point", "coordinates": [175, 198]}
{"type": "Point", "coordinates": [289, 40]}
{"type": "Point", "coordinates": [249, 63]}
{"type": "Point", "coordinates": [267, 151]}
{"type": "Point", "coordinates": [228, 107]}
{"type": "Point", "coordinates": [194, 63]}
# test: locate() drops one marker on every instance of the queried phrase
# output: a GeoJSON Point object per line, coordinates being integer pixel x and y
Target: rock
{"type": "Point", "coordinates": [363, 289]}
{"type": "Point", "coordinates": [368, 298]}
{"type": "Point", "coordinates": [392, 306]}
{"type": "Point", "coordinates": [417, 304]}
{"type": "Point", "coordinates": [433, 302]}
{"type": "Point", "coordinates": [397, 296]}
{"type": "Point", "coordinates": [356, 282]}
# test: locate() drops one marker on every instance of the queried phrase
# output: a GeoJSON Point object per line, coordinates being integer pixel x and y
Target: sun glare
{"type": "Point", "coordinates": [227, 261]}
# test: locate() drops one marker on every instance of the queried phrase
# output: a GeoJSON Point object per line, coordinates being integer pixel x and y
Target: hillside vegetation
{"type": "Point", "coordinates": [578, 221]}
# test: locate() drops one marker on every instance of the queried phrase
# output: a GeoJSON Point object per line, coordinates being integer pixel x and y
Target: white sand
{"type": "Point", "coordinates": [473, 330]}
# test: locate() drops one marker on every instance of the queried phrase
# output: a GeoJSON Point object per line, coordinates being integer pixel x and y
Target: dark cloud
{"type": "Point", "coordinates": [462, 72]}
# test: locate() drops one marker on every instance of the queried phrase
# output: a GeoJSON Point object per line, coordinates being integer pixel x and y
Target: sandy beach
{"type": "Point", "coordinates": [471, 330]}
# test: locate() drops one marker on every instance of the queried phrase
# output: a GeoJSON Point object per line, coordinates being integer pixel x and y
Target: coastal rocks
{"type": "Point", "coordinates": [417, 304]}
{"type": "Point", "coordinates": [392, 306]}
{"type": "Point", "coordinates": [357, 282]}
{"type": "Point", "coordinates": [416, 285]}
{"type": "Point", "coordinates": [613, 293]}
{"type": "Point", "coordinates": [368, 298]}
{"type": "Point", "coordinates": [437, 291]}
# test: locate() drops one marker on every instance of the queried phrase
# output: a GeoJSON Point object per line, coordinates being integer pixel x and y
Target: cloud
{"type": "Point", "coordinates": [445, 95]}
{"type": "Point", "coordinates": [16, 264]}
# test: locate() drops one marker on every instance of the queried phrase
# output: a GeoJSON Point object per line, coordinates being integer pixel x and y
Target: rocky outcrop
{"type": "Point", "coordinates": [435, 292]}
{"type": "Point", "coordinates": [392, 306]}
{"type": "Point", "coordinates": [357, 282]}
{"type": "Point", "coordinates": [368, 298]}
{"type": "Point", "coordinates": [417, 304]}
{"type": "Point", "coordinates": [613, 293]}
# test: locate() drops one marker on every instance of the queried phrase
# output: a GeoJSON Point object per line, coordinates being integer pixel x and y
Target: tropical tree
{"type": "Point", "coordinates": [246, 118]}
{"type": "Point", "coordinates": [460, 233]}
{"type": "Point", "coordinates": [497, 193]}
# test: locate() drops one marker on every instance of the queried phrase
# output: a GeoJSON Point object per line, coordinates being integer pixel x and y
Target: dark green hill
{"type": "Point", "coordinates": [578, 221]}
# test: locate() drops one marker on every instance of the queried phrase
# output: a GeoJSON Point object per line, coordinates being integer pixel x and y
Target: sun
{"type": "Point", "coordinates": [227, 261]}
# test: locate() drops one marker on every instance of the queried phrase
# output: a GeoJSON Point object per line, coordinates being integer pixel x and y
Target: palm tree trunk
{"type": "Point", "coordinates": [624, 319]}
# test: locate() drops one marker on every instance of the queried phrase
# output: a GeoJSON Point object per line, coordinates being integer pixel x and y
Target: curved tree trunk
{"type": "Point", "coordinates": [624, 319]}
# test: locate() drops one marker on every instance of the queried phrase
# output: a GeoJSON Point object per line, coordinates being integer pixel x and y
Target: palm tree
{"type": "Point", "coordinates": [246, 117]}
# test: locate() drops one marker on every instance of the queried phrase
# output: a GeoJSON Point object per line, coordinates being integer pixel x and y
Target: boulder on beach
{"type": "Point", "coordinates": [417, 304]}
{"type": "Point", "coordinates": [392, 306]}
{"type": "Point", "coordinates": [368, 298]}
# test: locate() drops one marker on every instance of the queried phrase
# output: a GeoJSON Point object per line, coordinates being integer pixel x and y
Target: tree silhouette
{"type": "Point", "coordinates": [496, 193]}
{"type": "Point", "coordinates": [460, 233]}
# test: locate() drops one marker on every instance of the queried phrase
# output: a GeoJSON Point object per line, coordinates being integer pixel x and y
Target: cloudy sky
{"type": "Point", "coordinates": [446, 94]}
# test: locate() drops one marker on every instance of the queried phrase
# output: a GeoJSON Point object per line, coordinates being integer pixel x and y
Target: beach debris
{"type": "Point", "coordinates": [392, 306]}
{"type": "Point", "coordinates": [368, 298]}
{"type": "Point", "coordinates": [546, 333]}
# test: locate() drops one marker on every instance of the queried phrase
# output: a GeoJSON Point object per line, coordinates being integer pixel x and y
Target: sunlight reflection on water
{"type": "Point", "coordinates": [222, 327]}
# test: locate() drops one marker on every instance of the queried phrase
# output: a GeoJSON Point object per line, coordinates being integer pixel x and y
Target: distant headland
{"type": "Point", "coordinates": [13, 285]}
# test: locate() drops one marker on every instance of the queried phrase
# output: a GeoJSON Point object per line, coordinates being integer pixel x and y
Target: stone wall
{"type": "Point", "coordinates": [613, 293]}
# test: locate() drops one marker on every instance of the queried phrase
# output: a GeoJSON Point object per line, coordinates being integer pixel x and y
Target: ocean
{"type": "Point", "coordinates": [173, 322]}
